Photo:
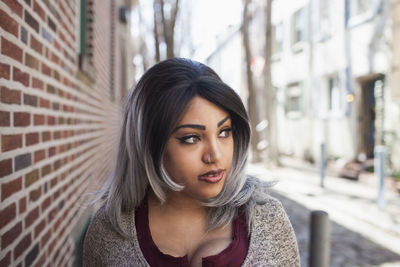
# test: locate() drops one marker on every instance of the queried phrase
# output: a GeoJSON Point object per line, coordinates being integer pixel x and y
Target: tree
{"type": "Point", "coordinates": [165, 14]}
{"type": "Point", "coordinates": [252, 96]}
{"type": "Point", "coordinates": [269, 92]}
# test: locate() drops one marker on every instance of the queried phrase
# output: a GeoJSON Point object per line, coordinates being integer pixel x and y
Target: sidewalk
{"type": "Point", "coordinates": [361, 233]}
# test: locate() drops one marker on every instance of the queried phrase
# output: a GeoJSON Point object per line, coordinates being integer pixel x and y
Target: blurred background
{"type": "Point", "coordinates": [319, 78]}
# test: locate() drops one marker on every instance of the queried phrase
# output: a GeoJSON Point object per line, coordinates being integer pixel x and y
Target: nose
{"type": "Point", "coordinates": [212, 153]}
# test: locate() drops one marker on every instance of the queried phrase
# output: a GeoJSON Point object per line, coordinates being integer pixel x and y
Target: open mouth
{"type": "Point", "coordinates": [212, 176]}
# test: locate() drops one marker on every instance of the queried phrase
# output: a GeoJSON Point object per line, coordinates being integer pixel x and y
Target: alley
{"type": "Point", "coordinates": [361, 233]}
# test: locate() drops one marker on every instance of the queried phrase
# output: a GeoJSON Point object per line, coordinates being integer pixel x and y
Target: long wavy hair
{"type": "Point", "coordinates": [151, 111]}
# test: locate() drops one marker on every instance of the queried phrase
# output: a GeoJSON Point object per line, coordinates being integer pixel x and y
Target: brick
{"type": "Point", "coordinates": [20, 76]}
{"type": "Point", "coordinates": [54, 182]}
{"type": "Point", "coordinates": [7, 214]}
{"type": "Point", "coordinates": [10, 96]}
{"type": "Point", "coordinates": [46, 136]}
{"type": "Point", "coordinates": [30, 100]}
{"type": "Point", "coordinates": [31, 139]}
{"type": "Point", "coordinates": [56, 106]}
{"type": "Point", "coordinates": [45, 238]}
{"type": "Point", "coordinates": [51, 24]}
{"type": "Point", "coordinates": [6, 261]}
{"type": "Point", "coordinates": [31, 217]}
{"type": "Point", "coordinates": [28, 2]}
{"type": "Point", "coordinates": [8, 189]}
{"type": "Point", "coordinates": [39, 155]}
{"type": "Point", "coordinates": [45, 188]}
{"type": "Point", "coordinates": [52, 151]}
{"type": "Point", "coordinates": [31, 21]}
{"type": "Point", "coordinates": [35, 194]}
{"type": "Point", "coordinates": [56, 135]}
{"type": "Point", "coordinates": [22, 205]}
{"type": "Point", "coordinates": [38, 119]}
{"type": "Point", "coordinates": [32, 255]}
{"type": "Point", "coordinates": [31, 61]}
{"type": "Point", "coordinates": [38, 84]}
{"type": "Point", "coordinates": [23, 161]}
{"type": "Point", "coordinates": [52, 214]}
{"type": "Point", "coordinates": [47, 35]}
{"type": "Point", "coordinates": [10, 142]}
{"type": "Point", "coordinates": [44, 103]}
{"type": "Point", "coordinates": [24, 35]}
{"type": "Point", "coordinates": [8, 237]}
{"type": "Point", "coordinates": [8, 23]}
{"type": "Point", "coordinates": [45, 170]}
{"type": "Point", "coordinates": [31, 178]}
{"type": "Point", "coordinates": [51, 89]}
{"type": "Point", "coordinates": [39, 10]}
{"type": "Point", "coordinates": [14, 6]}
{"type": "Point", "coordinates": [22, 119]}
{"type": "Point", "coordinates": [36, 45]}
{"type": "Point", "coordinates": [22, 246]}
{"type": "Point", "coordinates": [4, 71]}
{"type": "Point", "coordinates": [46, 69]}
{"type": "Point", "coordinates": [4, 118]}
{"type": "Point", "coordinates": [39, 228]}
{"type": "Point", "coordinates": [46, 203]}
{"type": "Point", "coordinates": [55, 59]}
{"type": "Point", "coordinates": [51, 120]}
{"type": "Point", "coordinates": [11, 50]}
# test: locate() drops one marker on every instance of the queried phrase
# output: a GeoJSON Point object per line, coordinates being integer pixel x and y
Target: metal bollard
{"type": "Point", "coordinates": [319, 239]}
{"type": "Point", "coordinates": [322, 165]}
{"type": "Point", "coordinates": [379, 168]}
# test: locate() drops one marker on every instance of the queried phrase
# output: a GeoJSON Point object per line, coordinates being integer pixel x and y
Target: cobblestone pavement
{"type": "Point", "coordinates": [361, 234]}
{"type": "Point", "coordinates": [348, 248]}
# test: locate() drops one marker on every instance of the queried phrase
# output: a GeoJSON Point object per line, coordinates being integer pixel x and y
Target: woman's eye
{"type": "Point", "coordinates": [190, 139]}
{"type": "Point", "coordinates": [225, 132]}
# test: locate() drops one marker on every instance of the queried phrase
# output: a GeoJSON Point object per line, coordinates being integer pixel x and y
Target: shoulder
{"type": "Point", "coordinates": [104, 246]}
{"type": "Point", "coordinates": [272, 239]}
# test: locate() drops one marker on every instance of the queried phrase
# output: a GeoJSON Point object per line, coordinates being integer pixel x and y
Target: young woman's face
{"type": "Point", "coordinates": [200, 150]}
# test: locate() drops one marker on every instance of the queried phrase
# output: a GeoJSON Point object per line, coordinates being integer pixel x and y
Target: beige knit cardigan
{"type": "Point", "coordinates": [272, 240]}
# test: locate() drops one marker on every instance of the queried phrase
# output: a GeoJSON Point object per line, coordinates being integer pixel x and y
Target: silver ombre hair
{"type": "Point", "coordinates": [151, 111]}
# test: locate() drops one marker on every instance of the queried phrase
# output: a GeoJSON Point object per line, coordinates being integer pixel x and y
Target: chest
{"type": "Point", "coordinates": [165, 243]}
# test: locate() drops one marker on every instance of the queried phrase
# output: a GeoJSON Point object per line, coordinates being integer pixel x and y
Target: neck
{"type": "Point", "coordinates": [178, 204]}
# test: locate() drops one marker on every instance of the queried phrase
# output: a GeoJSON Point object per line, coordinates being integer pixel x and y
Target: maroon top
{"type": "Point", "coordinates": [233, 255]}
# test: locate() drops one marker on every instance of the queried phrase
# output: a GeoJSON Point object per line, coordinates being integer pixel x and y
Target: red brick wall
{"type": "Point", "coordinates": [57, 126]}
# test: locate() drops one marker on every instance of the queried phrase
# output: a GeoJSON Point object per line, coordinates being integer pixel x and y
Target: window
{"type": "Point", "coordinates": [331, 100]}
{"type": "Point", "coordinates": [86, 38]}
{"type": "Point", "coordinates": [294, 100]}
{"type": "Point", "coordinates": [299, 26]}
{"type": "Point", "coordinates": [277, 33]}
{"type": "Point", "coordinates": [325, 19]}
{"type": "Point", "coordinates": [335, 96]}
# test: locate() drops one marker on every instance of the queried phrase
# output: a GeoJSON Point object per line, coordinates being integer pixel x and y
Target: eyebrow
{"type": "Point", "coordinates": [198, 126]}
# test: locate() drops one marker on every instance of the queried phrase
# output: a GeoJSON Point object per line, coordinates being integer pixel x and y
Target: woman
{"type": "Point", "coordinates": [178, 195]}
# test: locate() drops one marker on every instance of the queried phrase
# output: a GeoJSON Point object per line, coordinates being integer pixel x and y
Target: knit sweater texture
{"type": "Point", "coordinates": [272, 240]}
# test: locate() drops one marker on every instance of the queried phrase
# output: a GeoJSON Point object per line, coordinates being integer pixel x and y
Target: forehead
{"type": "Point", "coordinates": [203, 111]}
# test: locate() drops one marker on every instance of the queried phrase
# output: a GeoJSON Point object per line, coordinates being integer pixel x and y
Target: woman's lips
{"type": "Point", "coordinates": [212, 176]}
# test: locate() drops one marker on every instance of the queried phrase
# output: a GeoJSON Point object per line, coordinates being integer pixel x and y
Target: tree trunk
{"type": "Point", "coordinates": [269, 92]}
{"type": "Point", "coordinates": [252, 98]}
{"type": "Point", "coordinates": [156, 7]}
{"type": "Point", "coordinates": [169, 27]}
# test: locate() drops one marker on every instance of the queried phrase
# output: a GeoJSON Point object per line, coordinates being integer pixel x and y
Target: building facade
{"type": "Point", "coordinates": [332, 67]}
{"type": "Point", "coordinates": [64, 68]}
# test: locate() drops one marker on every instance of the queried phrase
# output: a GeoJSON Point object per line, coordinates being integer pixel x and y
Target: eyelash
{"type": "Point", "coordinates": [184, 139]}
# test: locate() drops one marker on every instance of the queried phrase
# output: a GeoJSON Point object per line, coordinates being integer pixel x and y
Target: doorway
{"type": "Point", "coordinates": [366, 110]}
